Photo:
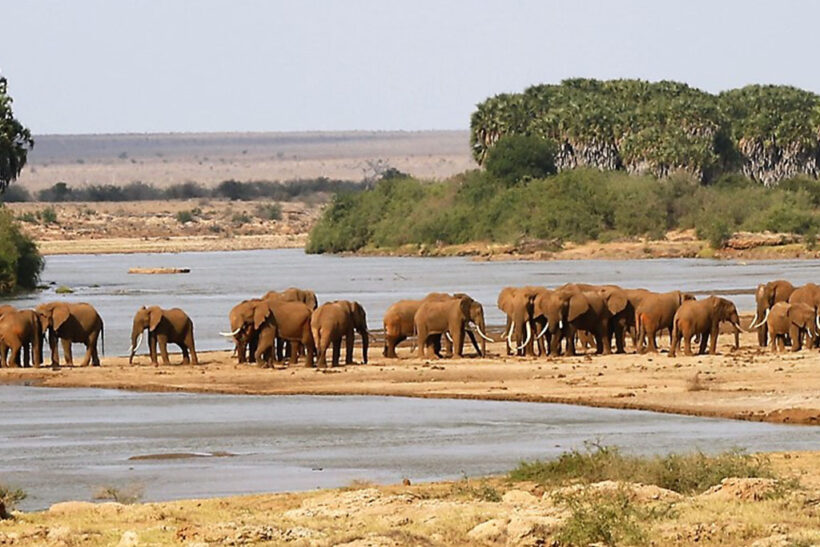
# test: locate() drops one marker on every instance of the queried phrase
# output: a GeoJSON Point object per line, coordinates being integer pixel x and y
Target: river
{"type": "Point", "coordinates": [62, 444]}
{"type": "Point", "coordinates": [218, 280]}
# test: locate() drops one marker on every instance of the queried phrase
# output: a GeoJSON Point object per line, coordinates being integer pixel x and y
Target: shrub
{"type": "Point", "coordinates": [20, 262]}
{"type": "Point", "coordinates": [716, 231]}
{"type": "Point", "coordinates": [269, 211]}
{"type": "Point", "coordinates": [10, 497]}
{"type": "Point", "coordinates": [685, 474]}
{"type": "Point", "coordinates": [603, 518]}
{"type": "Point", "coordinates": [48, 215]}
{"type": "Point", "coordinates": [57, 193]}
{"type": "Point", "coordinates": [186, 190]}
{"type": "Point", "coordinates": [184, 217]}
{"type": "Point", "coordinates": [128, 494]}
{"type": "Point", "coordinates": [240, 219]}
{"type": "Point", "coordinates": [15, 194]}
{"type": "Point", "coordinates": [517, 156]}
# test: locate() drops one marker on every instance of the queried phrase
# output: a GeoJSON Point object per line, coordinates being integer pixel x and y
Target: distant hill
{"type": "Point", "coordinates": [210, 158]}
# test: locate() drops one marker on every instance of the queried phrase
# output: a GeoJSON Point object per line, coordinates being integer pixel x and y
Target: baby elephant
{"type": "Point", "coordinates": [793, 320]}
{"type": "Point", "coordinates": [163, 326]}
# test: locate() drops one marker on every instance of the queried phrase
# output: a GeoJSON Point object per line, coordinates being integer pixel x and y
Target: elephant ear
{"type": "Point", "coordinates": [154, 317]}
{"type": "Point", "coordinates": [260, 313]}
{"type": "Point", "coordinates": [578, 305]}
{"type": "Point", "coordinates": [59, 316]}
{"type": "Point", "coordinates": [616, 303]}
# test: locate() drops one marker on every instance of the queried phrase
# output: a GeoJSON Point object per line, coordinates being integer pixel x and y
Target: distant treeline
{"type": "Point", "coordinates": [768, 133]}
{"type": "Point", "coordinates": [140, 191]}
{"type": "Point", "coordinates": [575, 205]}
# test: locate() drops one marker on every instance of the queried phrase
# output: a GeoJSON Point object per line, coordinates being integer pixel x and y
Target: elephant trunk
{"type": "Point", "coordinates": [737, 334]}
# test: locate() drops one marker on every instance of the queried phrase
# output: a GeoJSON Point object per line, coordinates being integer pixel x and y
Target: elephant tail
{"type": "Point", "coordinates": [102, 337]}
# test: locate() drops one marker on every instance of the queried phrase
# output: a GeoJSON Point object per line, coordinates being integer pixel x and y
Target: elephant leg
{"type": "Point", "coordinates": [162, 340]}
{"type": "Point", "coordinates": [570, 338]}
{"type": "Point", "coordinates": [69, 358]}
{"type": "Point", "coordinates": [186, 357]}
{"type": "Point", "coordinates": [337, 350]}
{"type": "Point", "coordinates": [774, 343]}
{"type": "Point", "coordinates": [191, 348]}
{"type": "Point", "coordinates": [14, 360]}
{"type": "Point", "coordinates": [651, 342]}
{"type": "Point", "coordinates": [392, 342]}
{"type": "Point", "coordinates": [349, 342]}
{"type": "Point", "coordinates": [91, 350]}
{"type": "Point", "coordinates": [26, 362]}
{"type": "Point", "coordinates": [3, 352]}
{"type": "Point", "coordinates": [687, 343]}
{"type": "Point", "coordinates": [762, 335]}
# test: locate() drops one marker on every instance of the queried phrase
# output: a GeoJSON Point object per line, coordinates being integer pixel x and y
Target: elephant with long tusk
{"type": "Point", "coordinates": [517, 303]}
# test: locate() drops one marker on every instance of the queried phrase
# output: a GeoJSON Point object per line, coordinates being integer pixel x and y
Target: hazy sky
{"type": "Point", "coordinates": [85, 66]}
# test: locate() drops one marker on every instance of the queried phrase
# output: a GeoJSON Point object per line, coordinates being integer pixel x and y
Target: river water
{"type": "Point", "coordinates": [218, 280]}
{"type": "Point", "coordinates": [61, 444]}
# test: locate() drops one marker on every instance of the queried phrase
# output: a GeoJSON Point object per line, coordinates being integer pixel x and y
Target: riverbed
{"type": "Point", "coordinates": [218, 280]}
{"type": "Point", "coordinates": [61, 444]}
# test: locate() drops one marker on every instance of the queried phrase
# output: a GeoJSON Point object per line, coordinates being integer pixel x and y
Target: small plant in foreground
{"type": "Point", "coordinates": [483, 491]}
{"type": "Point", "coordinates": [184, 217]}
{"type": "Point", "coordinates": [48, 215]}
{"type": "Point", "coordinates": [269, 211]}
{"type": "Point", "coordinates": [604, 518]}
{"type": "Point", "coordinates": [9, 498]}
{"type": "Point", "coordinates": [131, 493]}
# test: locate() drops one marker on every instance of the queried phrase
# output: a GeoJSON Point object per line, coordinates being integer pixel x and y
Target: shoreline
{"type": "Point", "coordinates": [749, 384]}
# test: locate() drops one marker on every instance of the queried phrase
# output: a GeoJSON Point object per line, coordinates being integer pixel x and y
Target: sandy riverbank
{"type": "Point", "coordinates": [490, 511]}
{"type": "Point", "coordinates": [749, 384]}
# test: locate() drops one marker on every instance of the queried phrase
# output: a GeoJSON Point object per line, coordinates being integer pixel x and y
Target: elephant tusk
{"type": "Point", "coordinates": [754, 326]}
{"type": "Point", "coordinates": [136, 346]}
{"type": "Point", "coordinates": [481, 333]}
{"type": "Point", "coordinates": [447, 334]}
{"type": "Point", "coordinates": [754, 320]}
{"type": "Point", "coordinates": [560, 324]}
{"type": "Point", "coordinates": [529, 335]}
{"type": "Point", "coordinates": [230, 334]}
{"type": "Point", "coordinates": [544, 330]}
{"type": "Point", "coordinates": [817, 320]}
{"type": "Point", "coordinates": [509, 334]}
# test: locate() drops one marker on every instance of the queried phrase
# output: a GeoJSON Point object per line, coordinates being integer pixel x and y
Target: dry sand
{"type": "Point", "coordinates": [749, 384]}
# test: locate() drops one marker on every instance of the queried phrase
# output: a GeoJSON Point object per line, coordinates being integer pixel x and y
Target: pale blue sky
{"type": "Point", "coordinates": [101, 66]}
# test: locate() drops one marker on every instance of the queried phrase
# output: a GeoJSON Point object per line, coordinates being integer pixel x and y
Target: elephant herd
{"type": "Point", "coordinates": [553, 321]}
{"type": "Point", "coordinates": [540, 321]}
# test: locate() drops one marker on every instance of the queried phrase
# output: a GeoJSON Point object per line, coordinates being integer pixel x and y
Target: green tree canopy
{"type": "Point", "coordinates": [15, 140]}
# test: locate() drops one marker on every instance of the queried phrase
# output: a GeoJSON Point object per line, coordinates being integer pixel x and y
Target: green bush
{"type": "Point", "coordinates": [240, 219]}
{"type": "Point", "coordinates": [20, 261]}
{"type": "Point", "coordinates": [48, 215]}
{"type": "Point", "coordinates": [269, 211]}
{"type": "Point", "coordinates": [10, 497]}
{"type": "Point", "coordinates": [575, 205]}
{"type": "Point", "coordinates": [184, 217]}
{"type": "Point", "coordinates": [686, 474]}
{"type": "Point", "coordinates": [515, 157]}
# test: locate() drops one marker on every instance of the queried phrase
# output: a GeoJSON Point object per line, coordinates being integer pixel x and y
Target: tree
{"type": "Point", "coordinates": [15, 140]}
{"type": "Point", "coordinates": [517, 156]}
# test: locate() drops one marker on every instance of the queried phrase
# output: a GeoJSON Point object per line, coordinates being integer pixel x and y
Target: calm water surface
{"type": "Point", "coordinates": [61, 444]}
{"type": "Point", "coordinates": [219, 280]}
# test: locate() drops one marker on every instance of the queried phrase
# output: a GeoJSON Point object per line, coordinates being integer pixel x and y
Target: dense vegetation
{"type": "Point", "coordinates": [20, 262]}
{"type": "Point", "coordinates": [575, 205]}
{"type": "Point", "coordinates": [140, 191]}
{"type": "Point", "coordinates": [766, 132]}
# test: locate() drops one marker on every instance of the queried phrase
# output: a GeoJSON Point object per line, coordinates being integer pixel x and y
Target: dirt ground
{"type": "Point", "coordinates": [747, 384]}
{"type": "Point", "coordinates": [163, 226]}
{"type": "Point", "coordinates": [489, 511]}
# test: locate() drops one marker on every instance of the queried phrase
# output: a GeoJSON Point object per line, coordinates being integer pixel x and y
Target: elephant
{"type": "Point", "coordinates": [703, 317]}
{"type": "Point", "coordinates": [275, 319]}
{"type": "Point", "coordinates": [767, 296]}
{"type": "Point", "coordinates": [72, 322]}
{"type": "Point", "coordinates": [655, 313]}
{"type": "Point", "coordinates": [793, 320]}
{"type": "Point", "coordinates": [570, 308]}
{"type": "Point", "coordinates": [294, 294]}
{"type": "Point", "coordinates": [807, 294]}
{"type": "Point", "coordinates": [517, 304]}
{"type": "Point", "coordinates": [21, 330]}
{"type": "Point", "coordinates": [398, 324]}
{"type": "Point", "coordinates": [333, 321]}
{"type": "Point", "coordinates": [163, 326]}
{"type": "Point", "coordinates": [626, 320]}
{"type": "Point", "coordinates": [449, 316]}
{"type": "Point", "coordinates": [242, 331]}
